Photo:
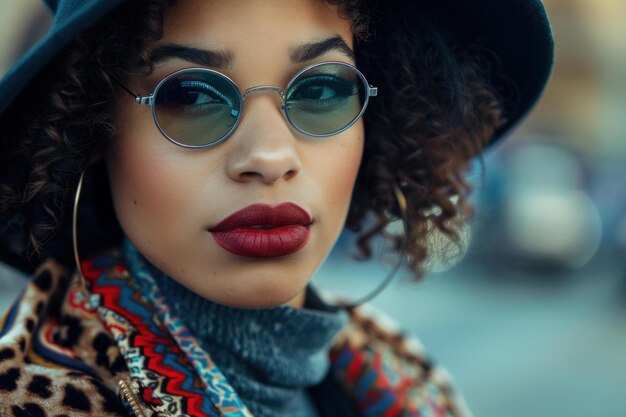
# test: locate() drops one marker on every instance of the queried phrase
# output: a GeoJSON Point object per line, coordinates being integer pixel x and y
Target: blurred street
{"type": "Point", "coordinates": [518, 344]}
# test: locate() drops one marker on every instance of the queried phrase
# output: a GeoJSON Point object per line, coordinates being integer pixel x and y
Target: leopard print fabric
{"type": "Point", "coordinates": [51, 363]}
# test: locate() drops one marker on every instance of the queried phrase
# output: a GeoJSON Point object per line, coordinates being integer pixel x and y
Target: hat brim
{"type": "Point", "coordinates": [513, 36]}
{"type": "Point", "coordinates": [33, 62]}
{"type": "Point", "coordinates": [518, 33]}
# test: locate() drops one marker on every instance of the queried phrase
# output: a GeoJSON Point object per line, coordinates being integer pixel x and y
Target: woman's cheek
{"type": "Point", "coordinates": [346, 163]}
{"type": "Point", "coordinates": [338, 169]}
{"type": "Point", "coordinates": [142, 186]}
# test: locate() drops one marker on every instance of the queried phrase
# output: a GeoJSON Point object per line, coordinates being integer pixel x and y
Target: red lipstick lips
{"type": "Point", "coordinates": [264, 231]}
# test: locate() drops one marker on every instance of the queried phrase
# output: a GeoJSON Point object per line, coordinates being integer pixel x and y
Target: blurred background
{"type": "Point", "coordinates": [531, 318]}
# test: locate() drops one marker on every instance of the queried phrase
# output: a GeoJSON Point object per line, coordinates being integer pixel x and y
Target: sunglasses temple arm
{"type": "Point", "coordinates": [139, 99]}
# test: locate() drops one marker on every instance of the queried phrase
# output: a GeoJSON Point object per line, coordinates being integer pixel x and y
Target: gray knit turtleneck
{"type": "Point", "coordinates": [269, 356]}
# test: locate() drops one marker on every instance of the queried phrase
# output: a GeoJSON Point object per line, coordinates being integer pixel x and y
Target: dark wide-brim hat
{"type": "Point", "coordinates": [516, 32]}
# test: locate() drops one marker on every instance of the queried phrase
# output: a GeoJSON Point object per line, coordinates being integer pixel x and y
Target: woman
{"type": "Point", "coordinates": [202, 219]}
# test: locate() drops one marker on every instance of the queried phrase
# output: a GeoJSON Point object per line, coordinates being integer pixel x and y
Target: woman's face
{"type": "Point", "coordinates": [171, 201]}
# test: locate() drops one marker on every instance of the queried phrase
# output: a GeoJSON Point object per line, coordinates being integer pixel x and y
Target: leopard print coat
{"type": "Point", "coordinates": [75, 349]}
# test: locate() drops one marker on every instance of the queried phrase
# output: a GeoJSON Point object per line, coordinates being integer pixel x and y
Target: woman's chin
{"type": "Point", "coordinates": [256, 291]}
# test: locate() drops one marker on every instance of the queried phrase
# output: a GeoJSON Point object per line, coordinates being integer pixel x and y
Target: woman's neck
{"type": "Point", "coordinates": [270, 355]}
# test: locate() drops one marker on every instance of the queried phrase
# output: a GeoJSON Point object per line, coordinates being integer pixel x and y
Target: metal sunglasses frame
{"type": "Point", "coordinates": [149, 100]}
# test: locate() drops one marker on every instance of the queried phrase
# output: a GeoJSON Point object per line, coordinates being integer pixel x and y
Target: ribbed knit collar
{"type": "Point", "coordinates": [269, 356]}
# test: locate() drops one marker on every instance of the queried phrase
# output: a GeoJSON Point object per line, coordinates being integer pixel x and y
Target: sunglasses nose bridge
{"type": "Point", "coordinates": [261, 88]}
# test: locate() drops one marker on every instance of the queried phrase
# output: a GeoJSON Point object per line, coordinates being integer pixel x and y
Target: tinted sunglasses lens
{"type": "Point", "coordinates": [325, 99]}
{"type": "Point", "coordinates": [197, 108]}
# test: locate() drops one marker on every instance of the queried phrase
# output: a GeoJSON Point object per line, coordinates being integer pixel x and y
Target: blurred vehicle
{"type": "Point", "coordinates": [535, 209]}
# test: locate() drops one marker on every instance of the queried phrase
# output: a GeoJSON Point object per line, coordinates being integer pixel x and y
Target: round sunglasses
{"type": "Point", "coordinates": [200, 107]}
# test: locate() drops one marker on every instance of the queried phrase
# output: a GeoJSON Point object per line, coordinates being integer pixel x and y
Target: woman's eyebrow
{"type": "Point", "coordinates": [204, 57]}
{"type": "Point", "coordinates": [223, 59]}
{"type": "Point", "coordinates": [312, 50]}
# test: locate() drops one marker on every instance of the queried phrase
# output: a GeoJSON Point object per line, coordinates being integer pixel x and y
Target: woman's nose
{"type": "Point", "coordinates": [263, 148]}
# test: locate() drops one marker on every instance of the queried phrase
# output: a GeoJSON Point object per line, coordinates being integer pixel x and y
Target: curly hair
{"type": "Point", "coordinates": [61, 120]}
{"type": "Point", "coordinates": [437, 111]}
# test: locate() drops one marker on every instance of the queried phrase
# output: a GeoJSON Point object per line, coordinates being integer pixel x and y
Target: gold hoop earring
{"type": "Point", "coordinates": [403, 207]}
{"type": "Point", "coordinates": [79, 188]}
